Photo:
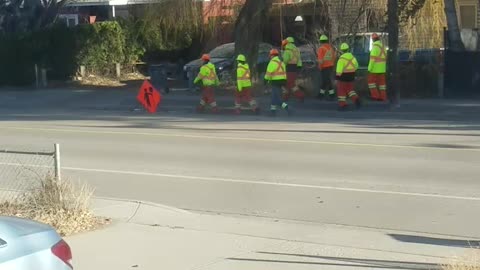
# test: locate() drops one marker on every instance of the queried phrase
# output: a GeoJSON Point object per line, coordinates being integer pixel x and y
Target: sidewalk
{"type": "Point", "coordinates": [149, 236]}
{"type": "Point", "coordinates": [123, 101]}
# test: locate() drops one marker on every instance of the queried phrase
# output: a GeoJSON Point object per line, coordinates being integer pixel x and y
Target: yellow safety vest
{"type": "Point", "coordinates": [243, 77]}
{"type": "Point", "coordinates": [276, 70]}
{"type": "Point", "coordinates": [292, 56]}
{"type": "Point", "coordinates": [207, 75]}
{"type": "Point", "coordinates": [378, 58]}
{"type": "Point", "coordinates": [347, 63]}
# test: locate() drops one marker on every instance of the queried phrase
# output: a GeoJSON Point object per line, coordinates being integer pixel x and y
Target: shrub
{"type": "Point", "coordinates": [61, 50]}
{"type": "Point", "coordinates": [60, 204]}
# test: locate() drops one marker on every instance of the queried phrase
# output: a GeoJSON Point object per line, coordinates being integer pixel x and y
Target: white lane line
{"type": "Point", "coordinates": [265, 183]}
{"type": "Point", "coordinates": [244, 139]}
{"type": "Point", "coordinates": [243, 181]}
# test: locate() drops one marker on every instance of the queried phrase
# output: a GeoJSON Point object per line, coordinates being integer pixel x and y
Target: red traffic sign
{"type": "Point", "coordinates": [149, 97]}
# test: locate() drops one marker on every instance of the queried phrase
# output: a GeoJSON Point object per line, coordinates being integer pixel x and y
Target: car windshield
{"type": "Point", "coordinates": [224, 51]}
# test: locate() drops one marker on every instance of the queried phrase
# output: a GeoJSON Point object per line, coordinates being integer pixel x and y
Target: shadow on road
{"type": "Point", "coordinates": [436, 241]}
{"type": "Point", "coordinates": [342, 262]}
{"type": "Point", "coordinates": [120, 105]}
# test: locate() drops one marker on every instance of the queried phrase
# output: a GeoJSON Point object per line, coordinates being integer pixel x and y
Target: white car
{"type": "Point", "coordinates": [29, 245]}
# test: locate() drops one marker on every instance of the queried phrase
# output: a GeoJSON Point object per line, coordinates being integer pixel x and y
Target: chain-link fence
{"type": "Point", "coordinates": [23, 169]}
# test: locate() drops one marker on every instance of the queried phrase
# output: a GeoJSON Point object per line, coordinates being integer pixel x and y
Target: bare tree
{"type": "Point", "coordinates": [454, 36]}
{"type": "Point", "coordinates": [28, 15]}
{"type": "Point", "coordinates": [249, 28]}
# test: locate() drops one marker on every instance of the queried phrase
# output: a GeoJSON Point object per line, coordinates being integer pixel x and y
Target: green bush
{"type": "Point", "coordinates": [61, 50]}
{"type": "Point", "coordinates": [102, 47]}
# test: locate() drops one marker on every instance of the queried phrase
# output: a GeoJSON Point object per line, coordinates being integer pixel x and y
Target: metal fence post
{"type": "Point", "coordinates": [58, 175]}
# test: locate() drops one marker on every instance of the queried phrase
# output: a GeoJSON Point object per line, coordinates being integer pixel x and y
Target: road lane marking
{"type": "Point", "coordinates": [244, 181]}
{"type": "Point", "coordinates": [244, 139]}
{"type": "Point", "coordinates": [266, 183]}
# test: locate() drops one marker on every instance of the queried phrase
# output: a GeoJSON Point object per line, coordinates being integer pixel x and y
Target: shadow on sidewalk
{"type": "Point", "coordinates": [436, 241]}
{"type": "Point", "coordinates": [344, 262]}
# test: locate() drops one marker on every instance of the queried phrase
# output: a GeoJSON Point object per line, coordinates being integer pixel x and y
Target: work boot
{"type": "Point", "coordinates": [200, 109]}
{"type": "Point", "coordinates": [289, 110]}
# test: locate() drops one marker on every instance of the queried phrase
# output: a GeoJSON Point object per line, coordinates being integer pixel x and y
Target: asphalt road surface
{"type": "Point", "coordinates": [382, 172]}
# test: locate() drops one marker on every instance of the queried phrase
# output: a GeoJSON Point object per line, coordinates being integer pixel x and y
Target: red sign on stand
{"type": "Point", "coordinates": [149, 97]}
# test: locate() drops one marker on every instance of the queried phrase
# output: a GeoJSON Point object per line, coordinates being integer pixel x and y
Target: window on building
{"type": "Point", "coordinates": [468, 16]}
{"type": "Point", "coordinates": [69, 19]}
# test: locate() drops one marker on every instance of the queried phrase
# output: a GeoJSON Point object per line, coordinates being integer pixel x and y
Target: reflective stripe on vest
{"type": "Point", "coordinates": [246, 76]}
{"type": "Point", "coordinates": [279, 71]}
{"type": "Point", "coordinates": [382, 58]}
{"type": "Point", "coordinates": [328, 55]}
{"type": "Point", "coordinates": [210, 76]}
{"type": "Point", "coordinates": [349, 67]}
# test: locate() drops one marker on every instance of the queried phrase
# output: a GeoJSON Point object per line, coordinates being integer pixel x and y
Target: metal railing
{"type": "Point", "coordinates": [22, 170]}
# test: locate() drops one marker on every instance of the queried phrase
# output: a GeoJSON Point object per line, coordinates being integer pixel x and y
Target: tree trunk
{"type": "Point", "coordinates": [454, 37]}
{"type": "Point", "coordinates": [249, 29]}
{"type": "Point", "coordinates": [393, 65]}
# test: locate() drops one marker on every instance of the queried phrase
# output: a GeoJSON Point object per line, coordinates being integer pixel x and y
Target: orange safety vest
{"type": "Point", "coordinates": [326, 56]}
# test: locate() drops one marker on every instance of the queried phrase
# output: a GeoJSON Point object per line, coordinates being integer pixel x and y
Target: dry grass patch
{"type": "Point", "coordinates": [100, 81]}
{"type": "Point", "coordinates": [469, 262]}
{"type": "Point", "coordinates": [61, 204]}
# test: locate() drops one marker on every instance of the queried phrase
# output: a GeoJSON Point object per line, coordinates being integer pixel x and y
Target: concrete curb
{"type": "Point", "coordinates": [147, 203]}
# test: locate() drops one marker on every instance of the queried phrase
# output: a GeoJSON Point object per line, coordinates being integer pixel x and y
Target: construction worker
{"type": "Point", "coordinates": [244, 86]}
{"type": "Point", "coordinates": [347, 65]}
{"type": "Point", "coordinates": [326, 63]}
{"type": "Point", "coordinates": [377, 68]}
{"type": "Point", "coordinates": [276, 76]}
{"type": "Point", "coordinates": [207, 79]}
{"type": "Point", "coordinates": [293, 61]}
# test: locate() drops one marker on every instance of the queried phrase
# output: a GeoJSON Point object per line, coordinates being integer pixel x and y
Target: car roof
{"type": "Point", "coordinates": [364, 34]}
{"type": "Point", "coordinates": [232, 45]}
{"type": "Point", "coordinates": [12, 227]}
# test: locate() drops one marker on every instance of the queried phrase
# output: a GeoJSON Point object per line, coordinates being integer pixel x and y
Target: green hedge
{"type": "Point", "coordinates": [62, 50]}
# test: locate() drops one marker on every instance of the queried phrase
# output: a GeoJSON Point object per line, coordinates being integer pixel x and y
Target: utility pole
{"type": "Point", "coordinates": [393, 66]}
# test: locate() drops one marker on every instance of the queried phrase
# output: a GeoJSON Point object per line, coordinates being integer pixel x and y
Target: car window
{"type": "Point", "coordinates": [264, 48]}
{"type": "Point", "coordinates": [224, 51]}
{"type": "Point", "coordinates": [361, 44]}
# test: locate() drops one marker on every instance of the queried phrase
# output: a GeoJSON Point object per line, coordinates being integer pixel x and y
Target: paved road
{"type": "Point", "coordinates": [373, 169]}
